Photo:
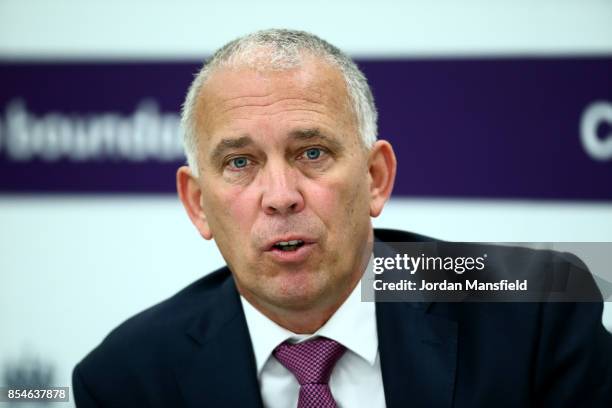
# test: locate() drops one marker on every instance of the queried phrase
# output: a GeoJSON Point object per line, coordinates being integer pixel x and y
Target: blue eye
{"type": "Point", "coordinates": [239, 162]}
{"type": "Point", "coordinates": [313, 154]}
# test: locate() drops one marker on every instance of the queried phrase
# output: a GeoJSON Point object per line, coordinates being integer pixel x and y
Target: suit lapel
{"type": "Point", "coordinates": [418, 355]}
{"type": "Point", "coordinates": [418, 350]}
{"type": "Point", "coordinates": [220, 370]}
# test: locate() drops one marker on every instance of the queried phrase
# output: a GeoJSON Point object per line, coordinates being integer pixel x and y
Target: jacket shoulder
{"type": "Point", "coordinates": [172, 314]}
{"type": "Point", "coordinates": [147, 344]}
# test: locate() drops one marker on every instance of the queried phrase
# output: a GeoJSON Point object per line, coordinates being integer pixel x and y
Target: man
{"type": "Point", "coordinates": [285, 173]}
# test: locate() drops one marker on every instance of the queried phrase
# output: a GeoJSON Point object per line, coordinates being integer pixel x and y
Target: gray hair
{"type": "Point", "coordinates": [284, 50]}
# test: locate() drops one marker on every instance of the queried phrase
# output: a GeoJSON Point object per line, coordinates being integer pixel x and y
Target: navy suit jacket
{"type": "Point", "coordinates": [194, 350]}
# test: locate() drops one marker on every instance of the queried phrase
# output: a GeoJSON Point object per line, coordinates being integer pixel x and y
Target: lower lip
{"type": "Point", "coordinates": [299, 255]}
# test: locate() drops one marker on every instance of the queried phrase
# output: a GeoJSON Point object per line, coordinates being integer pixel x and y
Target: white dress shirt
{"type": "Point", "coordinates": [356, 380]}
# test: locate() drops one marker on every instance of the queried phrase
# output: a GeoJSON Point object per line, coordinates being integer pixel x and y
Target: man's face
{"type": "Point", "coordinates": [285, 186]}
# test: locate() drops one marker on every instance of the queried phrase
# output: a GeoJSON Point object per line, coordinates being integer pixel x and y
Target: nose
{"type": "Point", "coordinates": [280, 193]}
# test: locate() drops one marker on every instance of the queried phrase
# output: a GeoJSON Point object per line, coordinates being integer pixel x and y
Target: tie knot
{"type": "Point", "coordinates": [311, 362]}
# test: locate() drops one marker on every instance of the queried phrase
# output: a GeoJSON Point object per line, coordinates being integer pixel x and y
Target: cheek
{"type": "Point", "coordinates": [324, 200]}
{"type": "Point", "coordinates": [241, 206]}
{"type": "Point", "coordinates": [232, 211]}
{"type": "Point", "coordinates": [339, 204]}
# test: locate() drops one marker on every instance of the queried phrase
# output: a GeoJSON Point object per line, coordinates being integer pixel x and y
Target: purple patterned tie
{"type": "Point", "coordinates": [312, 363]}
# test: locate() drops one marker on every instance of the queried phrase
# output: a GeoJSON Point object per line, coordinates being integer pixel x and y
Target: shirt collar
{"type": "Point", "coordinates": [353, 325]}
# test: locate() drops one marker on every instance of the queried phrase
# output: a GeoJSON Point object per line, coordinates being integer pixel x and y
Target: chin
{"type": "Point", "coordinates": [299, 294]}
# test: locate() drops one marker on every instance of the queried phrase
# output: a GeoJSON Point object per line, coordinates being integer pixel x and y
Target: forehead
{"type": "Point", "coordinates": [313, 76]}
{"type": "Point", "coordinates": [313, 88]}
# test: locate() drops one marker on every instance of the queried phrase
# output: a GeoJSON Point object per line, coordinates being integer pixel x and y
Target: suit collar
{"type": "Point", "coordinates": [220, 367]}
{"type": "Point", "coordinates": [383, 239]}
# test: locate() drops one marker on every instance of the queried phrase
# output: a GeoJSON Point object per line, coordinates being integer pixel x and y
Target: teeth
{"type": "Point", "coordinates": [289, 245]}
{"type": "Point", "coordinates": [293, 242]}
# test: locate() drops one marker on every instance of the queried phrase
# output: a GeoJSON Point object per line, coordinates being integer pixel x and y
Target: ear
{"type": "Point", "coordinates": [382, 168]}
{"type": "Point", "coordinates": [190, 193]}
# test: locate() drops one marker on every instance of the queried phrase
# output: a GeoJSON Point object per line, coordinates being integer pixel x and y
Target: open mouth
{"type": "Point", "coordinates": [288, 245]}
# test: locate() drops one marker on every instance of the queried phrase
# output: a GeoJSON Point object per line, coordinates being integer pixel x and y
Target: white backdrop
{"type": "Point", "coordinates": [73, 267]}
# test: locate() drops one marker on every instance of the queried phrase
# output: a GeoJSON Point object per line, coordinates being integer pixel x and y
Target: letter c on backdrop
{"type": "Point", "coordinates": [593, 116]}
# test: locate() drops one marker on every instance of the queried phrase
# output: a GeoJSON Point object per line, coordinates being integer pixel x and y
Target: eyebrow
{"type": "Point", "coordinates": [315, 133]}
{"type": "Point", "coordinates": [229, 144]}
